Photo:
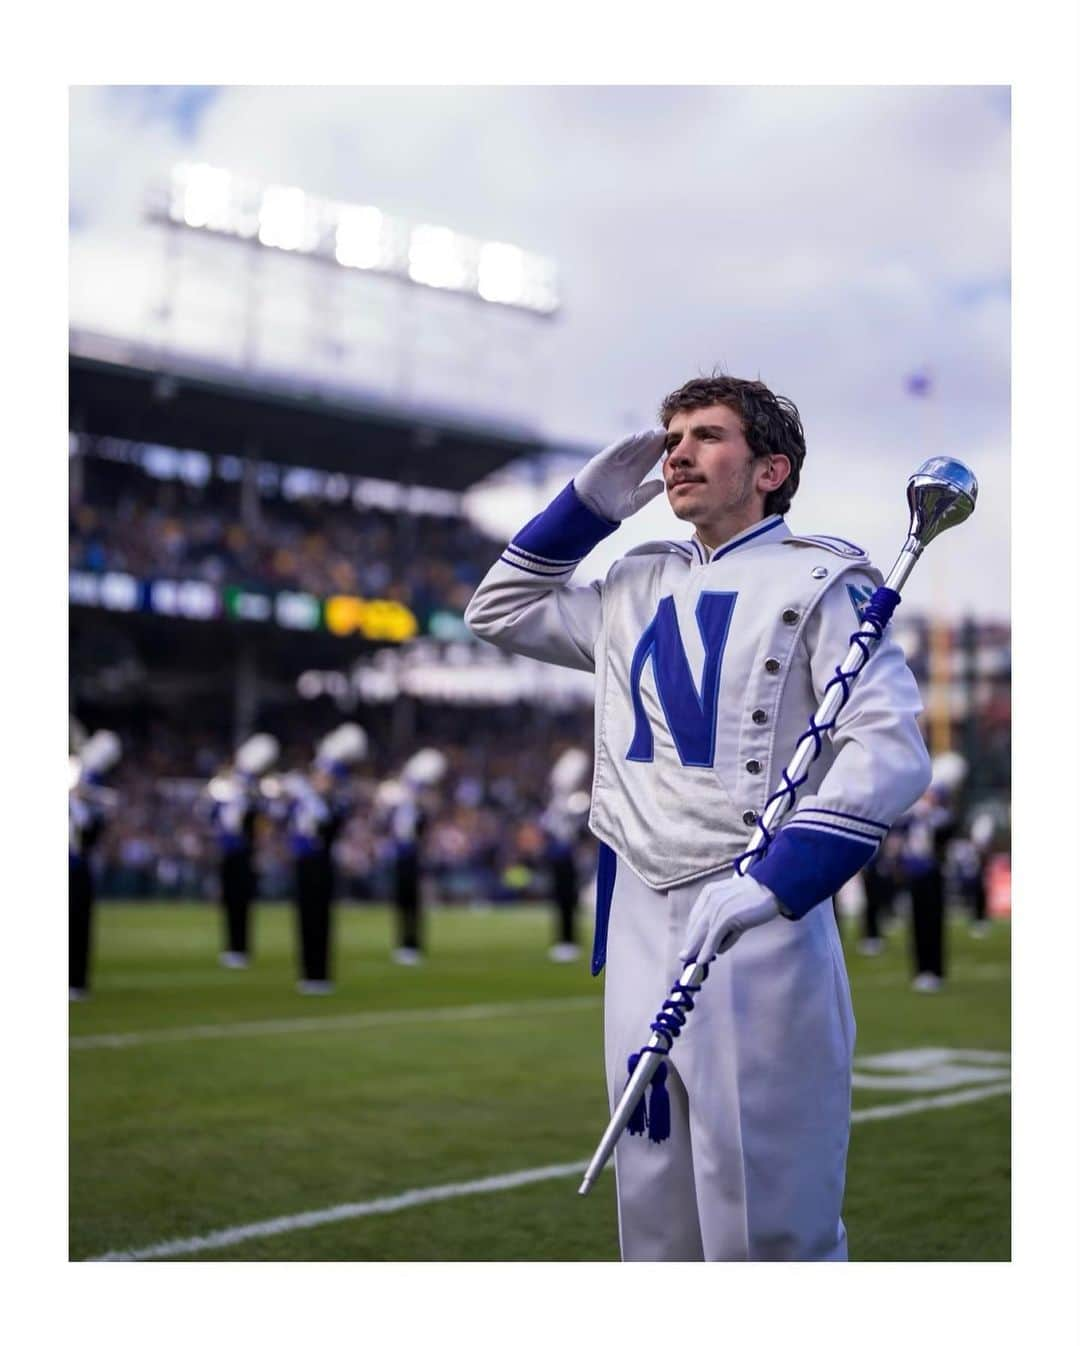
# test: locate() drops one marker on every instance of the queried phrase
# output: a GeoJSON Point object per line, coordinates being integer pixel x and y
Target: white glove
{"type": "Point", "coordinates": [612, 485]}
{"type": "Point", "coordinates": [723, 912]}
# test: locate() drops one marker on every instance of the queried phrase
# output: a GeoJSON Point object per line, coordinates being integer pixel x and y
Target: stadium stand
{"type": "Point", "coordinates": [215, 562]}
{"type": "Point", "coordinates": [130, 520]}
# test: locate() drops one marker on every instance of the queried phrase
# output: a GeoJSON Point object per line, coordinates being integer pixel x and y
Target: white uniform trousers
{"type": "Point", "coordinates": [759, 1082]}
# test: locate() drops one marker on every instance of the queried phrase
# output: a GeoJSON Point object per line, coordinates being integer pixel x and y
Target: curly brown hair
{"type": "Point", "coordinates": [770, 423]}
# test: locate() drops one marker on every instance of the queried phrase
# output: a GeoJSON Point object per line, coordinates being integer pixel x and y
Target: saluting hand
{"type": "Point", "coordinates": [612, 484]}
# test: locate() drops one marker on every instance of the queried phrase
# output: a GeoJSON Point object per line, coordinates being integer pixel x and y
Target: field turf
{"type": "Point", "coordinates": [205, 1100]}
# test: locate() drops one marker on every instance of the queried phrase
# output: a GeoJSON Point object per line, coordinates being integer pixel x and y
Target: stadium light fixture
{"type": "Point", "coordinates": [501, 273]}
{"type": "Point", "coordinates": [359, 237]}
{"type": "Point", "coordinates": [437, 258]}
{"type": "Point", "coordinates": [204, 196]}
{"type": "Point", "coordinates": [540, 291]}
{"type": "Point", "coordinates": [285, 219]}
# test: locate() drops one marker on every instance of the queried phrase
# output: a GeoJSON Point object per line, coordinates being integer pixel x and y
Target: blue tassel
{"type": "Point", "coordinates": [659, 1106]}
{"type": "Point", "coordinates": [637, 1123]}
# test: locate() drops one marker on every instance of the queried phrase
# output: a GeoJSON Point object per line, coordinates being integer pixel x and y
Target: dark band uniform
{"type": "Point", "coordinates": [926, 832]}
{"type": "Point", "coordinates": [234, 824]}
{"type": "Point", "coordinates": [86, 822]}
{"type": "Point", "coordinates": [315, 821]}
{"type": "Point", "coordinates": [408, 823]}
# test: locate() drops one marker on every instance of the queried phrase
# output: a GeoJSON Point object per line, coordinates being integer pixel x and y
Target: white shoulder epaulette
{"type": "Point", "coordinates": [659, 547]}
{"type": "Point", "coordinates": [837, 545]}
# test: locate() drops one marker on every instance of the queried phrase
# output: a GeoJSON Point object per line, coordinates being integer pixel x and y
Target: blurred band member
{"type": "Point", "coordinates": [89, 804]}
{"type": "Point", "coordinates": [234, 809]}
{"type": "Point", "coordinates": [406, 812]}
{"type": "Point", "coordinates": [927, 830]}
{"type": "Point", "coordinates": [879, 886]}
{"type": "Point", "coordinates": [969, 856]}
{"type": "Point", "coordinates": [320, 805]}
{"type": "Point", "coordinates": [562, 822]}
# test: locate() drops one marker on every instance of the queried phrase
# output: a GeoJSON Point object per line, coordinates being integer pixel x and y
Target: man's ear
{"type": "Point", "coordinates": [776, 471]}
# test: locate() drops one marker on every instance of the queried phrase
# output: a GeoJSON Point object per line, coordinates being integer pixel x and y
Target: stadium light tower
{"type": "Point", "coordinates": [380, 288]}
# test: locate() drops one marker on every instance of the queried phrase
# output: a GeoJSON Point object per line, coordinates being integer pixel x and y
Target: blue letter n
{"type": "Point", "coordinates": [691, 716]}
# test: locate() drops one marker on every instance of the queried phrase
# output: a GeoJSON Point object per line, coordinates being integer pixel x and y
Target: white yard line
{"type": "Point", "coordinates": [423, 1196]}
{"type": "Point", "coordinates": [285, 1224]}
{"type": "Point", "coordinates": [316, 1023]}
{"type": "Point", "coordinates": [887, 1110]}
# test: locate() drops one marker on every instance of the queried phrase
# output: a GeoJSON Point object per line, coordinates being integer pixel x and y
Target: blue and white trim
{"type": "Point", "coordinates": [750, 535]}
{"type": "Point", "coordinates": [699, 553]}
{"type": "Point", "coordinates": [847, 824]}
{"type": "Point", "coordinates": [552, 544]}
{"type": "Point", "coordinates": [607, 865]}
{"type": "Point", "coordinates": [839, 545]}
{"type": "Point", "coordinates": [520, 559]}
{"type": "Point", "coordinates": [814, 855]}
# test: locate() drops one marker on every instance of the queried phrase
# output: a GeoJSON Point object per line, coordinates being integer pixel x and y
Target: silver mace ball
{"type": "Point", "coordinates": [941, 493]}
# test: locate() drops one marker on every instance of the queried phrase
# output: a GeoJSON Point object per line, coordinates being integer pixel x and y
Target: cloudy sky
{"type": "Point", "coordinates": [832, 241]}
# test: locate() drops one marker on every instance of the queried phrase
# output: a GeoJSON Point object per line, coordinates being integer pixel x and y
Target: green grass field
{"type": "Point", "coordinates": [204, 1100]}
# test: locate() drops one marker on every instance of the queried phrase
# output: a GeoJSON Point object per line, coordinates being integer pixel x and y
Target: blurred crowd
{"type": "Point", "coordinates": [126, 520]}
{"type": "Point", "coordinates": [482, 844]}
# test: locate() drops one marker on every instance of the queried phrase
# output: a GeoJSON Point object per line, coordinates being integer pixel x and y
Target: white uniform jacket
{"type": "Point", "coordinates": [707, 671]}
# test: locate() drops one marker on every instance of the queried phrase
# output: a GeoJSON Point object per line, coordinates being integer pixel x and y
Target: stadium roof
{"type": "Point", "coordinates": [124, 390]}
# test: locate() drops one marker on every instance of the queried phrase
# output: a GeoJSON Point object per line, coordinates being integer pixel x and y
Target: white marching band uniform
{"type": "Point", "coordinates": [708, 668]}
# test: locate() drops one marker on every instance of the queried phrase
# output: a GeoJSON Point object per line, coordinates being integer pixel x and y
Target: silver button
{"type": "Point", "coordinates": [749, 817]}
{"type": "Point", "coordinates": [753, 766]}
{"type": "Point", "coordinates": [772, 665]}
{"type": "Point", "coordinates": [819, 572]}
{"type": "Point", "coordinates": [789, 616]}
{"type": "Point", "coordinates": [760, 716]}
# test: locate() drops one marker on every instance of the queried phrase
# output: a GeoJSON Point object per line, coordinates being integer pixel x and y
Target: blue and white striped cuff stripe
{"type": "Point", "coordinates": [537, 565]}
{"type": "Point", "coordinates": [527, 557]}
{"type": "Point", "coordinates": [847, 824]}
{"type": "Point", "coordinates": [858, 837]}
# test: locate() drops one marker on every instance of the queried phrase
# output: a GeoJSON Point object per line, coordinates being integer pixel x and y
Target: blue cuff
{"type": "Point", "coordinates": [566, 531]}
{"type": "Point", "coordinates": [804, 866]}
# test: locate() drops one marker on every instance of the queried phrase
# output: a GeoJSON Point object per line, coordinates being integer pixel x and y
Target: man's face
{"type": "Point", "coordinates": [709, 470]}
